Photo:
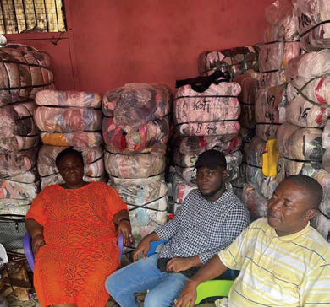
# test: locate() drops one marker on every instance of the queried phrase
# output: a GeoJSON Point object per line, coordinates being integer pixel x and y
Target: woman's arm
{"type": "Point", "coordinates": [121, 219]}
{"type": "Point", "coordinates": [36, 232]}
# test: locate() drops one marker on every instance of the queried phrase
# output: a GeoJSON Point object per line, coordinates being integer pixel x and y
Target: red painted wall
{"type": "Point", "coordinates": [112, 42]}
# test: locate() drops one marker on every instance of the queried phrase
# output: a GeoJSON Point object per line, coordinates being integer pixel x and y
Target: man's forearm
{"type": "Point", "coordinates": [210, 270]}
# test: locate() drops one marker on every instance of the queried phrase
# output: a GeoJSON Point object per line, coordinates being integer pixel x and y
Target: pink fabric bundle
{"type": "Point", "coordinates": [255, 202]}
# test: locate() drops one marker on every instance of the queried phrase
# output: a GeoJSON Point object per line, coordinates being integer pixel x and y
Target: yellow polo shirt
{"type": "Point", "coordinates": [292, 270]}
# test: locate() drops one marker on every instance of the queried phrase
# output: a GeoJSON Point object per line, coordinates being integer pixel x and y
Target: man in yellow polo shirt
{"type": "Point", "coordinates": [282, 260]}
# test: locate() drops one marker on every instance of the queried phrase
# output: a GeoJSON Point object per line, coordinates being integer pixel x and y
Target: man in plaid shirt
{"type": "Point", "coordinates": [209, 220]}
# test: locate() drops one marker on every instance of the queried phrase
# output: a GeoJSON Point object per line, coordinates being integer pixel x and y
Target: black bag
{"type": "Point", "coordinates": [12, 231]}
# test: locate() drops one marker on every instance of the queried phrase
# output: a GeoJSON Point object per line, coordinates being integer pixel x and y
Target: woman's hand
{"type": "Point", "coordinates": [37, 241]}
{"type": "Point", "coordinates": [124, 228]}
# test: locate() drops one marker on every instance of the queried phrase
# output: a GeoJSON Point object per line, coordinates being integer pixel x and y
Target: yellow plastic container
{"type": "Point", "coordinates": [270, 159]}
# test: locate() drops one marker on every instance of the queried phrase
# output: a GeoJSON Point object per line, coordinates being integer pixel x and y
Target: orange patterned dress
{"type": "Point", "coordinates": [81, 243]}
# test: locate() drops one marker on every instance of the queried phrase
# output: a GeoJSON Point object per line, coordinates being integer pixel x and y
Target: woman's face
{"type": "Point", "coordinates": [71, 169]}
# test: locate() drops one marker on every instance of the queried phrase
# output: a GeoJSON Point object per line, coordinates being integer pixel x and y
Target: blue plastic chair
{"type": "Point", "coordinates": [212, 288]}
{"type": "Point", "coordinates": [30, 257]}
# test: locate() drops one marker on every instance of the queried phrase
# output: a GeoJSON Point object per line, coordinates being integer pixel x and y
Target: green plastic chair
{"type": "Point", "coordinates": [213, 288]}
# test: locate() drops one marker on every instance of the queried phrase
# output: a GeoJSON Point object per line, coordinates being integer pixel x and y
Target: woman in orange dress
{"type": "Point", "coordinates": [74, 229]}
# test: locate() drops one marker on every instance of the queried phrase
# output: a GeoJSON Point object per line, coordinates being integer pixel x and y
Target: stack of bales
{"type": "Point", "coordinates": [23, 71]}
{"type": "Point", "coordinates": [300, 138]}
{"type": "Point", "coordinates": [69, 119]}
{"type": "Point", "coordinates": [204, 119]}
{"type": "Point", "coordinates": [235, 61]}
{"type": "Point", "coordinates": [281, 44]}
{"type": "Point", "coordinates": [136, 131]}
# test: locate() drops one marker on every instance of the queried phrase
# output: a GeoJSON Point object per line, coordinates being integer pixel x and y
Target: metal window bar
{"type": "Point", "coordinates": [25, 16]}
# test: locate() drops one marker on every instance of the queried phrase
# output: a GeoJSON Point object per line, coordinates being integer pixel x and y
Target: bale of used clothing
{"type": "Point", "coordinates": [23, 72]}
{"type": "Point", "coordinates": [217, 103]}
{"type": "Point", "coordinates": [326, 160]}
{"type": "Point", "coordinates": [323, 178]}
{"type": "Point", "coordinates": [283, 23]}
{"type": "Point", "coordinates": [198, 144]}
{"type": "Point", "coordinates": [314, 26]}
{"type": "Point", "coordinates": [140, 191]}
{"type": "Point", "coordinates": [14, 206]}
{"type": "Point", "coordinates": [17, 190]}
{"type": "Point", "coordinates": [134, 166]}
{"type": "Point", "coordinates": [17, 163]}
{"type": "Point", "coordinates": [308, 90]}
{"type": "Point", "coordinates": [309, 168]}
{"type": "Point", "coordinates": [300, 143]}
{"type": "Point", "coordinates": [53, 119]}
{"type": "Point", "coordinates": [151, 136]}
{"type": "Point", "coordinates": [189, 173]}
{"type": "Point", "coordinates": [322, 225]}
{"type": "Point", "coordinates": [272, 79]}
{"type": "Point", "coordinates": [134, 104]}
{"type": "Point", "coordinates": [326, 135]}
{"type": "Point", "coordinates": [93, 161]}
{"type": "Point", "coordinates": [255, 202]}
{"type": "Point", "coordinates": [180, 190]}
{"type": "Point", "coordinates": [147, 202]}
{"type": "Point", "coordinates": [75, 139]}
{"type": "Point", "coordinates": [136, 118]}
{"type": "Point", "coordinates": [69, 99]}
{"type": "Point", "coordinates": [271, 104]}
{"type": "Point", "coordinates": [267, 131]}
{"type": "Point", "coordinates": [275, 56]}
{"type": "Point", "coordinates": [235, 61]}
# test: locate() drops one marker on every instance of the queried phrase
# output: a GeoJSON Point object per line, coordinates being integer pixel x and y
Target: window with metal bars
{"type": "Point", "coordinates": [25, 16]}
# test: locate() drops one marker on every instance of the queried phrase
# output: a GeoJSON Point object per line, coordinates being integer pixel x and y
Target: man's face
{"type": "Point", "coordinates": [289, 209]}
{"type": "Point", "coordinates": [210, 181]}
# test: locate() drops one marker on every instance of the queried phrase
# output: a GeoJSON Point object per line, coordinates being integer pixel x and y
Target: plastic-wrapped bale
{"type": "Point", "coordinates": [314, 26]}
{"type": "Point", "coordinates": [272, 79]}
{"type": "Point", "coordinates": [93, 160]}
{"type": "Point", "coordinates": [198, 144]}
{"type": "Point", "coordinates": [308, 90]}
{"type": "Point", "coordinates": [23, 72]}
{"type": "Point", "coordinates": [326, 135]}
{"type": "Point", "coordinates": [271, 106]}
{"type": "Point", "coordinates": [235, 61]}
{"type": "Point", "coordinates": [255, 202]}
{"type": "Point", "coordinates": [189, 173]}
{"type": "Point", "coordinates": [323, 177]}
{"type": "Point", "coordinates": [180, 190]}
{"type": "Point", "coordinates": [134, 166]}
{"type": "Point", "coordinates": [326, 160]}
{"type": "Point", "coordinates": [322, 224]}
{"type": "Point", "coordinates": [75, 139]}
{"type": "Point", "coordinates": [17, 127]}
{"type": "Point", "coordinates": [283, 23]}
{"type": "Point", "coordinates": [17, 190]}
{"type": "Point", "coordinates": [52, 119]}
{"type": "Point", "coordinates": [304, 144]}
{"type": "Point", "coordinates": [14, 206]}
{"type": "Point", "coordinates": [69, 99]}
{"type": "Point", "coordinates": [275, 56]}
{"type": "Point", "coordinates": [149, 137]}
{"type": "Point", "coordinates": [308, 168]}
{"type": "Point", "coordinates": [136, 118]}
{"type": "Point", "coordinates": [147, 202]}
{"type": "Point", "coordinates": [249, 85]}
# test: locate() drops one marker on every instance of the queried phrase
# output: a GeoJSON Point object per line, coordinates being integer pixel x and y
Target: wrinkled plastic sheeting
{"type": "Point", "coordinates": [75, 139]}
{"type": "Point", "coordinates": [323, 178]}
{"type": "Point", "coordinates": [300, 143]}
{"type": "Point", "coordinates": [52, 119]}
{"type": "Point", "coordinates": [68, 99]}
{"type": "Point", "coordinates": [255, 202]}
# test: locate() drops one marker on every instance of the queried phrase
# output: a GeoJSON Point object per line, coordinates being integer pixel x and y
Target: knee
{"type": "Point", "coordinates": [110, 284]}
{"type": "Point", "coordinates": [152, 300]}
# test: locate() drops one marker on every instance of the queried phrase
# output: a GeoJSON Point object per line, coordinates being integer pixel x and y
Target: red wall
{"type": "Point", "coordinates": [112, 42]}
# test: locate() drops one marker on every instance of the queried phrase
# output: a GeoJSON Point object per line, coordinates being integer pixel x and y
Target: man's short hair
{"type": "Point", "coordinates": [311, 186]}
{"type": "Point", "coordinates": [212, 159]}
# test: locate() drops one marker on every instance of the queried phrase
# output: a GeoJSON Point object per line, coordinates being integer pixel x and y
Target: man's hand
{"type": "Point", "coordinates": [143, 248]}
{"type": "Point", "coordinates": [37, 241]}
{"type": "Point", "coordinates": [178, 264]}
{"type": "Point", "coordinates": [124, 228]}
{"type": "Point", "coordinates": [187, 296]}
